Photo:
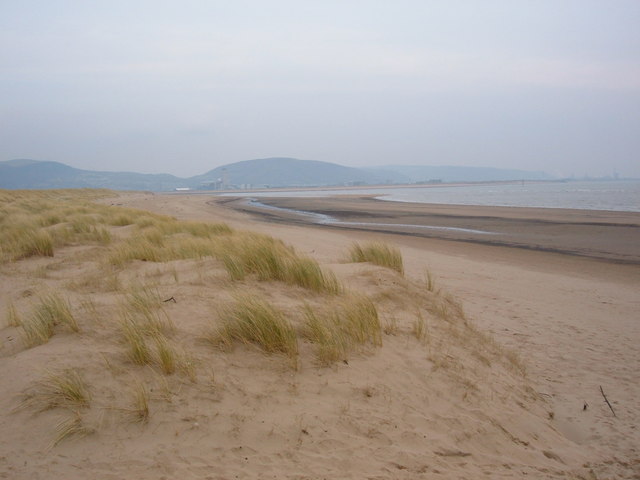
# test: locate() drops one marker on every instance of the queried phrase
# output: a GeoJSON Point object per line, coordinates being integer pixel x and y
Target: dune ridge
{"type": "Point", "coordinates": [435, 396]}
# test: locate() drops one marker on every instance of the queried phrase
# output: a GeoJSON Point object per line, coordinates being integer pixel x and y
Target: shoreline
{"type": "Point", "coordinates": [609, 236]}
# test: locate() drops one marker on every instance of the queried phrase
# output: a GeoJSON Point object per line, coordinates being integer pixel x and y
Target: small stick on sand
{"type": "Point", "coordinates": [170, 300]}
{"type": "Point", "coordinates": [606, 400]}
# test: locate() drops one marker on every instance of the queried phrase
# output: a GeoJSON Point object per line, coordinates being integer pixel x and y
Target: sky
{"type": "Point", "coordinates": [185, 86]}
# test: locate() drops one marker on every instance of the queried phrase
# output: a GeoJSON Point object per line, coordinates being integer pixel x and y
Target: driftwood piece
{"type": "Point", "coordinates": [607, 400]}
{"type": "Point", "coordinates": [451, 453]}
{"type": "Point", "coordinates": [170, 300]}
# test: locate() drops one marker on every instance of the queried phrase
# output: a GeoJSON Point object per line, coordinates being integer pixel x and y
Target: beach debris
{"type": "Point", "coordinates": [451, 453]}
{"type": "Point", "coordinates": [585, 406]}
{"type": "Point", "coordinates": [607, 400]}
{"type": "Point", "coordinates": [170, 300]}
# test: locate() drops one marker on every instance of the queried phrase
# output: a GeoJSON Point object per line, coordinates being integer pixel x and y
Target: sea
{"type": "Point", "coordinates": [619, 195]}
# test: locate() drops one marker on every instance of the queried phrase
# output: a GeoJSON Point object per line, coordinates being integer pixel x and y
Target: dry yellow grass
{"type": "Point", "coordinates": [143, 308]}
{"type": "Point", "coordinates": [337, 330]}
{"type": "Point", "coordinates": [64, 389]}
{"type": "Point", "coordinates": [140, 402]}
{"type": "Point", "coordinates": [252, 319]}
{"type": "Point", "coordinates": [13, 318]}
{"type": "Point", "coordinates": [135, 341]}
{"type": "Point", "coordinates": [166, 354]}
{"type": "Point", "coordinates": [419, 327]}
{"type": "Point", "coordinates": [378, 254]}
{"type": "Point", "coordinates": [51, 310]}
{"type": "Point", "coordinates": [70, 427]}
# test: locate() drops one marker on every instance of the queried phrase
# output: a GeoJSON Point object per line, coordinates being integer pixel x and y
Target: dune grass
{"type": "Point", "coordinates": [143, 307]}
{"type": "Point", "coordinates": [34, 223]}
{"type": "Point", "coordinates": [64, 389]}
{"type": "Point", "coordinates": [429, 281]}
{"type": "Point", "coordinates": [378, 254]}
{"type": "Point", "coordinates": [447, 307]}
{"type": "Point", "coordinates": [270, 259]}
{"type": "Point", "coordinates": [37, 224]}
{"type": "Point", "coordinates": [166, 354]}
{"type": "Point", "coordinates": [52, 310]}
{"type": "Point", "coordinates": [306, 273]}
{"type": "Point", "coordinates": [419, 327]}
{"type": "Point", "coordinates": [140, 402]}
{"type": "Point", "coordinates": [13, 317]}
{"type": "Point", "coordinates": [138, 350]}
{"type": "Point", "coordinates": [70, 427]}
{"type": "Point", "coordinates": [338, 330]}
{"type": "Point", "coordinates": [252, 319]}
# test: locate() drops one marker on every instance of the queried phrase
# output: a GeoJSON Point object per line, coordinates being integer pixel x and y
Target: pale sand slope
{"type": "Point", "coordinates": [454, 407]}
{"type": "Point", "coordinates": [576, 321]}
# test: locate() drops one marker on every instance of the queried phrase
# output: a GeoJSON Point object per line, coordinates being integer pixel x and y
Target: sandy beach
{"type": "Point", "coordinates": [511, 388]}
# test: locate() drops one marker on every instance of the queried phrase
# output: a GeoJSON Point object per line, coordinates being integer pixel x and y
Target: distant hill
{"type": "Point", "coordinates": [34, 174]}
{"type": "Point", "coordinates": [286, 172]}
{"type": "Point", "coordinates": [259, 173]}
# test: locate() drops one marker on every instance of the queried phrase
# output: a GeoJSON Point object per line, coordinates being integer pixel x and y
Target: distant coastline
{"type": "Point", "coordinates": [618, 195]}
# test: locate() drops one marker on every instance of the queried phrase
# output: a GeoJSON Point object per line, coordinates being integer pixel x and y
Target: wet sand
{"type": "Point", "coordinates": [608, 236]}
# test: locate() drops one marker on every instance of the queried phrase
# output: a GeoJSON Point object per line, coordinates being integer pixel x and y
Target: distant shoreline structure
{"type": "Point", "coordinates": [332, 188]}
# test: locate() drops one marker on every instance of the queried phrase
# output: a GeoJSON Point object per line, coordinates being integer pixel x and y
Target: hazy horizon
{"type": "Point", "coordinates": [183, 88]}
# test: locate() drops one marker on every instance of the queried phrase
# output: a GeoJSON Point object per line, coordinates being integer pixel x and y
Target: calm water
{"type": "Point", "coordinates": [619, 196]}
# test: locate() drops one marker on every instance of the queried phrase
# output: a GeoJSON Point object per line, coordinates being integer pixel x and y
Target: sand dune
{"type": "Point", "coordinates": [495, 390]}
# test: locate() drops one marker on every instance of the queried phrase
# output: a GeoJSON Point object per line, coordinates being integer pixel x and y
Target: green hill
{"type": "Point", "coordinates": [285, 172]}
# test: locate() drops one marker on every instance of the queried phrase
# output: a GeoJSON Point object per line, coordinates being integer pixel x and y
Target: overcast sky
{"type": "Point", "coordinates": [184, 86]}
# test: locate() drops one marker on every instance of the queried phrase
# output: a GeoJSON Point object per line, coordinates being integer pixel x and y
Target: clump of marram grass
{"type": "Point", "coordinates": [143, 319]}
{"type": "Point", "coordinates": [13, 318]}
{"type": "Point", "coordinates": [23, 241]}
{"type": "Point", "coordinates": [138, 350]}
{"type": "Point", "coordinates": [447, 307]}
{"type": "Point", "coordinates": [64, 389]}
{"type": "Point", "coordinates": [419, 327]}
{"type": "Point", "coordinates": [256, 254]}
{"type": "Point", "coordinates": [33, 223]}
{"type": "Point", "coordinates": [144, 307]}
{"type": "Point", "coordinates": [36, 330]}
{"type": "Point", "coordinates": [196, 229]}
{"type": "Point", "coordinates": [140, 402]}
{"type": "Point", "coordinates": [70, 427]}
{"type": "Point", "coordinates": [135, 248]}
{"type": "Point", "coordinates": [337, 330]}
{"type": "Point", "coordinates": [252, 319]}
{"type": "Point", "coordinates": [52, 310]}
{"type": "Point", "coordinates": [305, 272]}
{"type": "Point", "coordinates": [378, 254]}
{"type": "Point", "coordinates": [327, 333]}
{"type": "Point", "coordinates": [166, 353]}
{"type": "Point", "coordinates": [429, 281]}
{"type": "Point", "coordinates": [271, 259]}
